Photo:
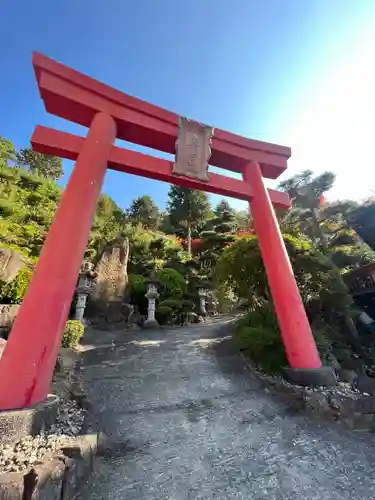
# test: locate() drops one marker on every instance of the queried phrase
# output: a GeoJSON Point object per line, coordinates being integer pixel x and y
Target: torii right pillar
{"type": "Point", "coordinates": [303, 357]}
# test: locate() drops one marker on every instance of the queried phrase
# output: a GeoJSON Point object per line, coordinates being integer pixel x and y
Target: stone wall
{"type": "Point", "coordinates": [342, 403]}
{"type": "Point", "coordinates": [58, 477]}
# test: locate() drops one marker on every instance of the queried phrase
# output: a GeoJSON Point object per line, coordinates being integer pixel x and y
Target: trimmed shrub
{"type": "Point", "coordinates": [173, 284]}
{"type": "Point", "coordinates": [164, 315]}
{"type": "Point", "coordinates": [179, 309]}
{"type": "Point", "coordinates": [322, 289]}
{"type": "Point", "coordinates": [138, 289]}
{"type": "Point", "coordinates": [259, 337]}
{"type": "Point", "coordinates": [14, 292]}
{"type": "Point", "coordinates": [73, 333]}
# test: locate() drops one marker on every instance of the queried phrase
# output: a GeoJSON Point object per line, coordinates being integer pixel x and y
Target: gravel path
{"type": "Point", "coordinates": [192, 424]}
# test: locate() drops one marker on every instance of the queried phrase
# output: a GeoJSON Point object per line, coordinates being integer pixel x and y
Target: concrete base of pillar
{"type": "Point", "coordinates": [30, 421]}
{"type": "Point", "coordinates": [150, 323]}
{"type": "Point", "coordinates": [324, 376]}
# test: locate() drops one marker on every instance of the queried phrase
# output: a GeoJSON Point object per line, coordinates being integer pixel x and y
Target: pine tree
{"type": "Point", "coordinates": [144, 210]}
{"type": "Point", "coordinates": [188, 209]}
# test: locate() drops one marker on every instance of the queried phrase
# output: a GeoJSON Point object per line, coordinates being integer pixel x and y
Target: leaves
{"type": "Point", "coordinates": [47, 166]}
{"type": "Point", "coordinates": [144, 210]}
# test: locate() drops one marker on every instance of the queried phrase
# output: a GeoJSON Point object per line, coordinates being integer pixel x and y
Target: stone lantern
{"type": "Point", "coordinates": [83, 289]}
{"type": "Point", "coordinates": [151, 295]}
{"type": "Point", "coordinates": [202, 293]}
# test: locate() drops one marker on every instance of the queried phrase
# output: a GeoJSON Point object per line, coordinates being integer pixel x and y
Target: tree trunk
{"type": "Point", "coordinates": [189, 238]}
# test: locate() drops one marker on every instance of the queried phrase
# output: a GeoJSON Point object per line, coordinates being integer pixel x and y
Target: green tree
{"type": "Point", "coordinates": [220, 234]}
{"type": "Point", "coordinates": [7, 152]}
{"type": "Point", "coordinates": [109, 222]}
{"type": "Point", "coordinates": [188, 209]}
{"type": "Point", "coordinates": [362, 220]}
{"type": "Point", "coordinates": [325, 224]}
{"type": "Point", "coordinates": [46, 166]}
{"type": "Point", "coordinates": [144, 210]}
{"type": "Point", "coordinates": [322, 289]}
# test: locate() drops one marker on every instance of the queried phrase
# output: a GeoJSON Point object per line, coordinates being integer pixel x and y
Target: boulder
{"type": "Point", "coordinates": [10, 264]}
{"type": "Point", "coordinates": [8, 313]}
{"type": "Point", "coordinates": [349, 376]}
{"type": "Point", "coordinates": [111, 273]}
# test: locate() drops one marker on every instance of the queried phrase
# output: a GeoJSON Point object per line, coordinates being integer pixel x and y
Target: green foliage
{"type": "Point", "coordinates": [173, 284]}
{"type": "Point", "coordinates": [164, 314]}
{"type": "Point", "coordinates": [150, 249]}
{"type": "Point", "coordinates": [175, 311]}
{"type": "Point", "coordinates": [259, 337]}
{"type": "Point", "coordinates": [226, 298]}
{"type": "Point", "coordinates": [46, 166]}
{"type": "Point", "coordinates": [27, 206]}
{"type": "Point", "coordinates": [109, 223]}
{"type": "Point", "coordinates": [7, 152]}
{"type": "Point", "coordinates": [138, 289]}
{"type": "Point", "coordinates": [73, 333]}
{"type": "Point", "coordinates": [322, 289]}
{"type": "Point", "coordinates": [144, 210]}
{"type": "Point", "coordinates": [361, 219]}
{"type": "Point", "coordinates": [188, 209]}
{"type": "Point", "coordinates": [14, 292]}
{"type": "Point", "coordinates": [326, 226]}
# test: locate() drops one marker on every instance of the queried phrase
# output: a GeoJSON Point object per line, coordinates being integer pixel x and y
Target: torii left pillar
{"type": "Point", "coordinates": [33, 345]}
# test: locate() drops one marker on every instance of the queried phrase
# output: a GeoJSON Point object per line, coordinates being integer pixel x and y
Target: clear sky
{"type": "Point", "coordinates": [294, 72]}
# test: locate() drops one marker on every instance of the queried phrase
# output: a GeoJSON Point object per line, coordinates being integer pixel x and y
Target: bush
{"type": "Point", "coordinates": [14, 292]}
{"type": "Point", "coordinates": [164, 315]}
{"type": "Point", "coordinates": [138, 289]}
{"type": "Point", "coordinates": [322, 289]}
{"type": "Point", "coordinates": [73, 332]}
{"type": "Point", "coordinates": [173, 284]}
{"type": "Point", "coordinates": [178, 310]}
{"type": "Point", "coordinates": [259, 337]}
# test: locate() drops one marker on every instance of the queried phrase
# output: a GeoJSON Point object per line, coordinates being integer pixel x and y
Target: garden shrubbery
{"type": "Point", "coordinates": [322, 289]}
{"type": "Point", "coordinates": [173, 284]}
{"type": "Point", "coordinates": [73, 333]}
{"type": "Point", "coordinates": [14, 292]}
{"type": "Point", "coordinates": [259, 337]}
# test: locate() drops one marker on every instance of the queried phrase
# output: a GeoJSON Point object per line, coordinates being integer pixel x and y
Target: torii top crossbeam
{"type": "Point", "coordinates": [77, 97]}
{"type": "Point", "coordinates": [69, 94]}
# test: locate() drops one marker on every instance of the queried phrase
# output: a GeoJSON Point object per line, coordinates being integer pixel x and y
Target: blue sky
{"type": "Point", "coordinates": [295, 72]}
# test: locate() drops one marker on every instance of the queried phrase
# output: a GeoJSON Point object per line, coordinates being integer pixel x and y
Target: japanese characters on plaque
{"type": "Point", "coordinates": [193, 149]}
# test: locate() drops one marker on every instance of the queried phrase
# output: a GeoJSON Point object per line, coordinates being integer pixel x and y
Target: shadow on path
{"type": "Point", "coordinates": [183, 419]}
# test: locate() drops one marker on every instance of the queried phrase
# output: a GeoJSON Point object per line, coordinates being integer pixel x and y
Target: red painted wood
{"type": "Point", "coordinates": [295, 329]}
{"type": "Point", "coordinates": [30, 355]}
{"type": "Point", "coordinates": [77, 97]}
{"type": "Point", "coordinates": [53, 142]}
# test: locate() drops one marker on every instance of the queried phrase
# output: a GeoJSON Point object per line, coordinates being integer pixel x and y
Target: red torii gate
{"type": "Point", "coordinates": [32, 348]}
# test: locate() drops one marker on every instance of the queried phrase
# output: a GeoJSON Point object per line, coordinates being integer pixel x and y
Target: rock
{"type": "Point", "coordinates": [11, 486]}
{"type": "Point", "coordinates": [332, 361]}
{"type": "Point", "coordinates": [49, 479]}
{"type": "Point", "coordinates": [349, 376]}
{"type": "Point", "coordinates": [316, 401]}
{"type": "Point", "coordinates": [8, 313]}
{"type": "Point", "coordinates": [10, 264]}
{"type": "Point", "coordinates": [111, 270]}
{"type": "Point", "coordinates": [365, 384]}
